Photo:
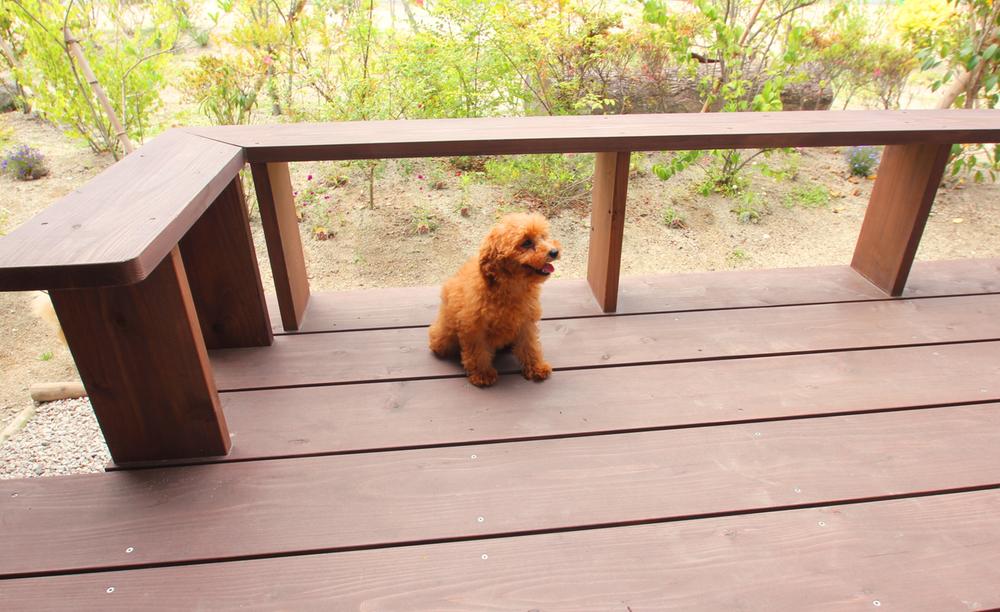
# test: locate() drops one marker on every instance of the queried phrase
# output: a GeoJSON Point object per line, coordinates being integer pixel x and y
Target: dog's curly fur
{"type": "Point", "coordinates": [492, 302]}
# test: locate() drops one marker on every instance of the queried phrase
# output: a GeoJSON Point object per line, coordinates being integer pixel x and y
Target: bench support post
{"type": "Point", "coordinates": [607, 227]}
{"type": "Point", "coordinates": [222, 271]}
{"type": "Point", "coordinates": [284, 245]}
{"type": "Point", "coordinates": [141, 356]}
{"type": "Point", "coordinates": [908, 178]}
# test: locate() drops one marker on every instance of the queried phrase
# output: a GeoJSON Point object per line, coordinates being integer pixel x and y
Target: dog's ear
{"type": "Point", "coordinates": [490, 261]}
{"type": "Point", "coordinates": [494, 253]}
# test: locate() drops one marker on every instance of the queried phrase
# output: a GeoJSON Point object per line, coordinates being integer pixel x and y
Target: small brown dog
{"type": "Point", "coordinates": [493, 302]}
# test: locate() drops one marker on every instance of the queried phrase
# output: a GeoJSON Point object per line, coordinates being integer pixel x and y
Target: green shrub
{"type": "Point", "coordinates": [862, 160]}
{"type": "Point", "coordinates": [226, 88]}
{"type": "Point", "coordinates": [551, 180]}
{"type": "Point", "coordinates": [24, 163]}
{"type": "Point", "coordinates": [749, 208]}
{"type": "Point", "coordinates": [130, 63]}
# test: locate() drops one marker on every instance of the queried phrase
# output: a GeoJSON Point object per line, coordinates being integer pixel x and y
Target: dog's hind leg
{"type": "Point", "coordinates": [443, 339]}
{"type": "Point", "coordinates": [528, 350]}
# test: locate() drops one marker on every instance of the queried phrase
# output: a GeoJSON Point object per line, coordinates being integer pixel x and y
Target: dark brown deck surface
{"type": "Point", "coordinates": [783, 439]}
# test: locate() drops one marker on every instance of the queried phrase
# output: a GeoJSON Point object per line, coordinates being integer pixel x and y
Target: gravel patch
{"type": "Point", "coordinates": [61, 438]}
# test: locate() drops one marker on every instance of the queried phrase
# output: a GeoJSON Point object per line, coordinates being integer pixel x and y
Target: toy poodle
{"type": "Point", "coordinates": [492, 302]}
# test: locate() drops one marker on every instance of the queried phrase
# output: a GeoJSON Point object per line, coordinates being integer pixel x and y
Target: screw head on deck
{"type": "Point", "coordinates": [110, 590]}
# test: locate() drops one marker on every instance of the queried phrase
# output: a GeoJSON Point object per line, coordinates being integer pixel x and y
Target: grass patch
{"type": "Point", "coordinates": [808, 196]}
{"type": "Point", "coordinates": [673, 219]}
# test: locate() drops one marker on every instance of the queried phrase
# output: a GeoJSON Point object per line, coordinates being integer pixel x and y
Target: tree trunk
{"type": "Point", "coordinates": [73, 46]}
{"type": "Point", "coordinates": [8, 52]}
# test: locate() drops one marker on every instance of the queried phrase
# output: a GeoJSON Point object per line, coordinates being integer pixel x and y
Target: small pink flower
{"type": "Point", "coordinates": [268, 60]}
{"type": "Point", "coordinates": [309, 178]}
{"type": "Point", "coordinates": [326, 197]}
{"type": "Point", "coordinates": [420, 176]}
{"type": "Point", "coordinates": [295, 193]}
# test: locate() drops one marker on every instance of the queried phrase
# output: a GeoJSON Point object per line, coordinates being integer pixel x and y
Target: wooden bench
{"type": "Point", "coordinates": [755, 439]}
{"type": "Point", "coordinates": [151, 263]}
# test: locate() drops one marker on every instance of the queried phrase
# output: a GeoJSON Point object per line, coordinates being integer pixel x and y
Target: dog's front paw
{"type": "Point", "coordinates": [483, 379]}
{"type": "Point", "coordinates": [538, 371]}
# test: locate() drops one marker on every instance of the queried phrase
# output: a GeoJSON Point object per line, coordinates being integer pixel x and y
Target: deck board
{"type": "Point", "coordinates": [400, 354]}
{"type": "Point", "coordinates": [692, 467]}
{"type": "Point", "coordinates": [923, 554]}
{"type": "Point", "coordinates": [234, 510]}
{"type": "Point", "coordinates": [351, 418]}
{"type": "Point", "coordinates": [567, 298]}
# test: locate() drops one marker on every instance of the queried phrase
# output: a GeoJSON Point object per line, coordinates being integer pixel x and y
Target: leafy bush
{"type": "Point", "coordinates": [551, 180]}
{"type": "Point", "coordinates": [920, 22]}
{"type": "Point", "coordinates": [751, 68]}
{"type": "Point", "coordinates": [24, 163]}
{"type": "Point", "coordinates": [225, 88]}
{"type": "Point", "coordinates": [966, 60]}
{"type": "Point", "coordinates": [852, 53]}
{"type": "Point", "coordinates": [749, 208]}
{"type": "Point", "coordinates": [127, 45]}
{"type": "Point", "coordinates": [862, 160]}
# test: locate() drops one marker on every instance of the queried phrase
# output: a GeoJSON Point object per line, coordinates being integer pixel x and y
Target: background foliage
{"type": "Point", "coordinates": [365, 59]}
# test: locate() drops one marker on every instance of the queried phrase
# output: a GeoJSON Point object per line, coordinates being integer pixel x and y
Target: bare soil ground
{"type": "Point", "coordinates": [384, 246]}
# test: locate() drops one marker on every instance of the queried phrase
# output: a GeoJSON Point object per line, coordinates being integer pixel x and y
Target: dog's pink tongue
{"type": "Point", "coordinates": [548, 268]}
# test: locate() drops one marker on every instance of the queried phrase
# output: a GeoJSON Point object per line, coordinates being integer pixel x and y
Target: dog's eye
{"type": "Point", "coordinates": [528, 244]}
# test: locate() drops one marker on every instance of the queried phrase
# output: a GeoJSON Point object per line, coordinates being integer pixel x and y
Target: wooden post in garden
{"type": "Point", "coordinates": [607, 226]}
{"type": "Point", "coordinates": [143, 360]}
{"type": "Point", "coordinates": [907, 180]}
{"type": "Point", "coordinates": [276, 201]}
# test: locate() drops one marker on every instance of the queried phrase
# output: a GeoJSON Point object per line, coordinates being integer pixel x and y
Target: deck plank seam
{"type": "Point", "coordinates": [512, 534]}
{"type": "Point", "coordinates": [278, 331]}
{"type": "Point", "coordinates": [600, 366]}
{"type": "Point", "coordinates": [518, 439]}
{"type": "Point", "coordinates": [191, 132]}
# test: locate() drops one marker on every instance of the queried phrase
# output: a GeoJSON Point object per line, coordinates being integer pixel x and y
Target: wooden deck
{"type": "Point", "coordinates": [781, 439]}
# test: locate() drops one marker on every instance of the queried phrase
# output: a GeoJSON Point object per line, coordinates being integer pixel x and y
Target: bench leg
{"type": "Point", "coordinates": [908, 178]}
{"type": "Point", "coordinates": [141, 356]}
{"type": "Point", "coordinates": [222, 271]}
{"type": "Point", "coordinates": [284, 245]}
{"type": "Point", "coordinates": [607, 227]}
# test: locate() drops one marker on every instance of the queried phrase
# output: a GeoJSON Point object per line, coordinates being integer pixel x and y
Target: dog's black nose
{"type": "Point", "coordinates": [554, 253]}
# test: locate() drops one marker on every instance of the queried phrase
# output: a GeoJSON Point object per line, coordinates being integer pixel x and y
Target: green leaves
{"type": "Point", "coordinates": [130, 62]}
{"type": "Point", "coordinates": [678, 163]}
